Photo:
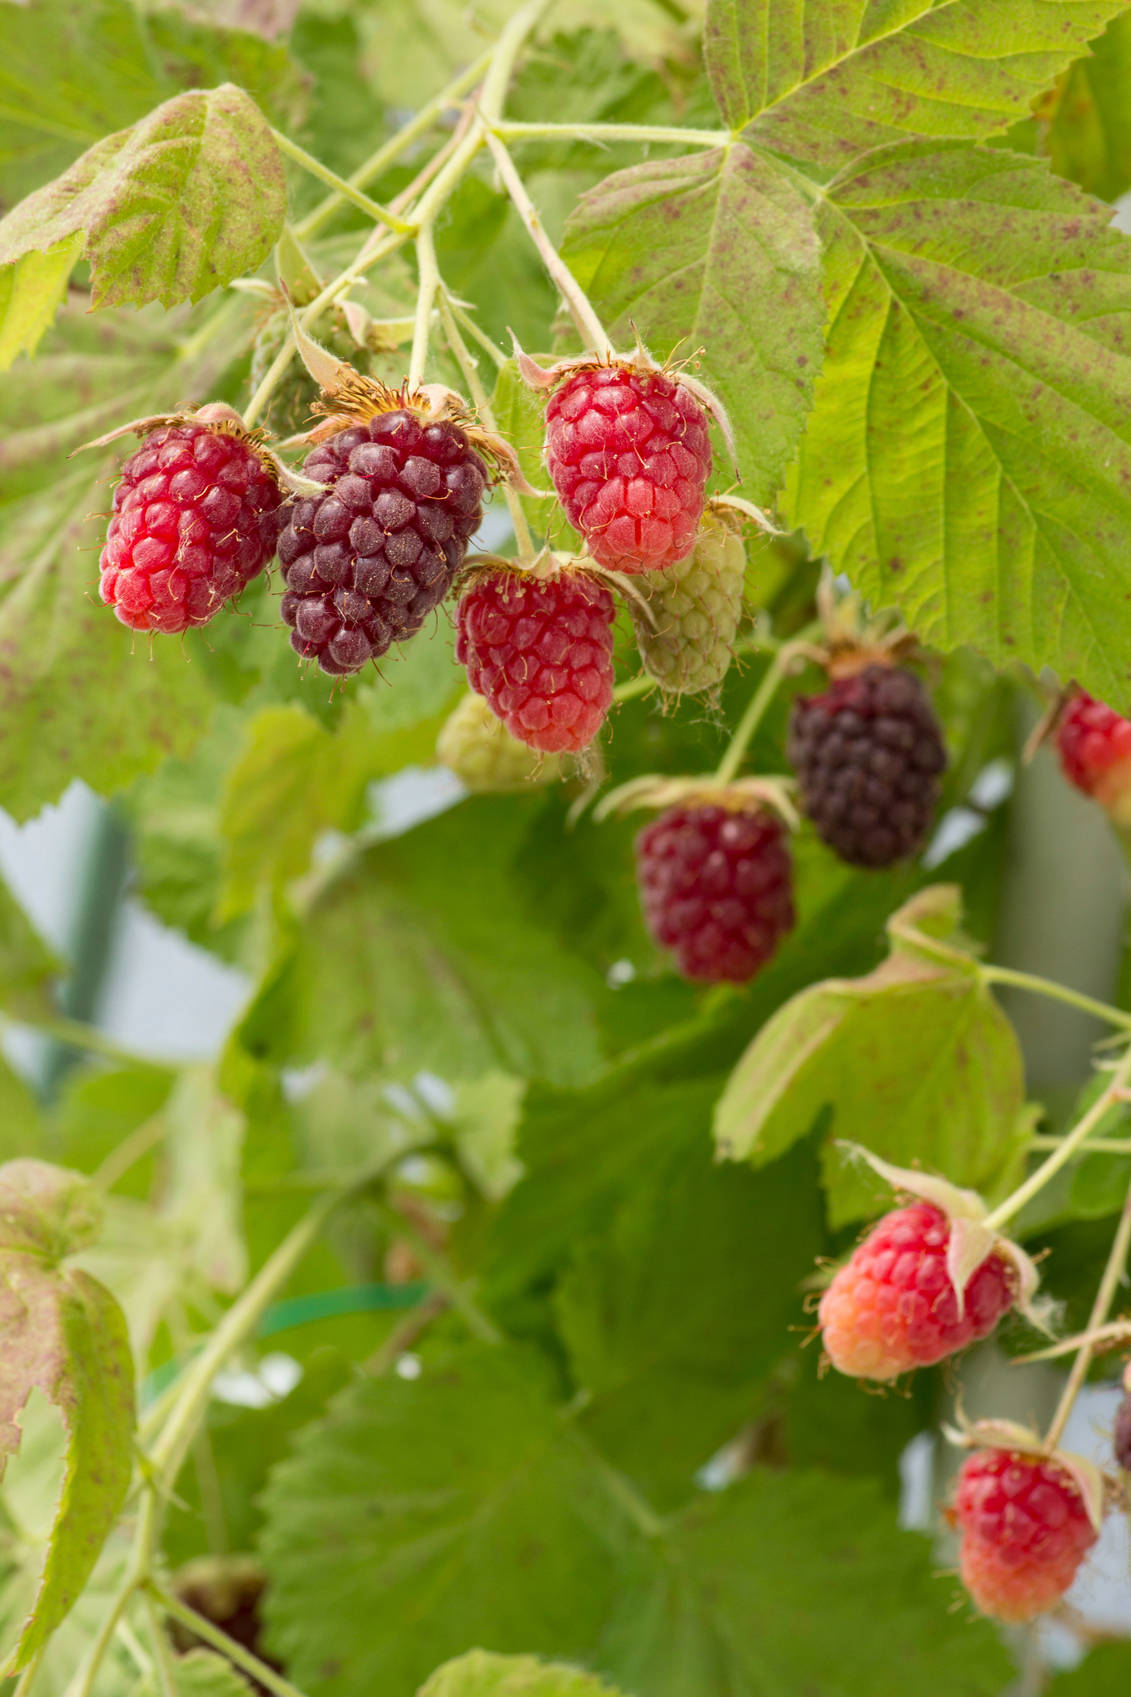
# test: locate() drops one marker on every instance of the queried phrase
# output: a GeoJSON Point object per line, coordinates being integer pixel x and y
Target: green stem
{"type": "Point", "coordinates": [467, 322]}
{"type": "Point", "coordinates": [1068, 1145]}
{"type": "Point", "coordinates": [755, 712]}
{"type": "Point", "coordinates": [1058, 992]}
{"type": "Point", "coordinates": [589, 326]}
{"type": "Point", "coordinates": [391, 150]}
{"type": "Point", "coordinates": [1105, 1296]}
{"type": "Point", "coordinates": [509, 130]}
{"type": "Point", "coordinates": [441, 1275]}
{"type": "Point", "coordinates": [1094, 1146]}
{"type": "Point", "coordinates": [523, 539]}
{"type": "Point", "coordinates": [75, 1034]}
{"type": "Point", "coordinates": [344, 188]}
{"type": "Point", "coordinates": [642, 684]}
{"type": "Point", "coordinates": [219, 1640]}
{"type": "Point", "coordinates": [162, 1653]}
{"type": "Point", "coordinates": [428, 281]}
{"type": "Point", "coordinates": [27, 1678]}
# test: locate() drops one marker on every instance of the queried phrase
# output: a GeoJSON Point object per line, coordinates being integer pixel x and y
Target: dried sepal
{"type": "Point", "coordinates": [730, 508]}
{"type": "Point", "coordinates": [1116, 1334]}
{"type": "Point", "coordinates": [225, 421]}
{"type": "Point", "coordinates": [1090, 1480]}
{"type": "Point", "coordinates": [740, 795]}
{"type": "Point", "coordinates": [972, 1239]}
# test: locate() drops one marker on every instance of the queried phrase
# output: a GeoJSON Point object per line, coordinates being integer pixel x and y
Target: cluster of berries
{"type": "Point", "coordinates": [927, 1280]}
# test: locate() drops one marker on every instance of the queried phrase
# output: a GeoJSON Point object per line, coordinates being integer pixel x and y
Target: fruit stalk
{"type": "Point", "coordinates": [218, 1639]}
{"type": "Point", "coordinates": [1105, 1296]}
{"type": "Point", "coordinates": [759, 705]}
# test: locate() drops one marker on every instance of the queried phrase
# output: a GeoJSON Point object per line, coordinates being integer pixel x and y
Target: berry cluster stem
{"type": "Point", "coordinates": [1105, 1296]}
{"type": "Point", "coordinates": [214, 1636]}
{"type": "Point", "coordinates": [758, 707]}
{"type": "Point", "coordinates": [315, 168]}
{"type": "Point", "coordinates": [638, 133]}
{"type": "Point", "coordinates": [1066, 1148]}
{"type": "Point", "coordinates": [1057, 992]}
{"type": "Point", "coordinates": [466, 362]}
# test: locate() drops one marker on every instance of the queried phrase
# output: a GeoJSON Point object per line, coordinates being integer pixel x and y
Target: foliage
{"type": "Point", "coordinates": [534, 1225]}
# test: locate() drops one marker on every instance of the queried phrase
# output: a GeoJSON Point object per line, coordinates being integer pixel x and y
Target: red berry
{"type": "Point", "coordinates": [540, 650]}
{"type": "Point", "coordinates": [1094, 744]}
{"type": "Point", "coordinates": [868, 753]}
{"type": "Point", "coordinates": [1025, 1531]}
{"type": "Point", "coordinates": [629, 454]}
{"type": "Point", "coordinates": [892, 1307]}
{"type": "Point", "coordinates": [195, 519]}
{"type": "Point", "coordinates": [716, 887]}
{"type": "Point", "coordinates": [365, 562]}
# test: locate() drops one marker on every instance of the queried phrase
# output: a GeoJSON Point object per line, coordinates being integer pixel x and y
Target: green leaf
{"type": "Point", "coordinates": [31, 291]}
{"type": "Point", "coordinates": [1104, 1673]}
{"type": "Point", "coordinates": [827, 80]}
{"type": "Point", "coordinates": [464, 1504]}
{"type": "Point", "coordinates": [481, 1674]}
{"type": "Point", "coordinates": [438, 978]}
{"type": "Point", "coordinates": [674, 1316]}
{"type": "Point", "coordinates": [967, 458]}
{"type": "Point", "coordinates": [191, 197]}
{"type": "Point", "coordinates": [717, 252]}
{"type": "Point", "coordinates": [460, 1502]}
{"type": "Point", "coordinates": [27, 966]}
{"type": "Point", "coordinates": [64, 1337]}
{"type": "Point", "coordinates": [1087, 138]}
{"type": "Point", "coordinates": [199, 1674]}
{"type": "Point", "coordinates": [916, 1062]}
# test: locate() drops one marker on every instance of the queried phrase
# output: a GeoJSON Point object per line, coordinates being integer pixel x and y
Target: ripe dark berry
{"type": "Point", "coordinates": [892, 1307]}
{"type": "Point", "coordinates": [540, 650]}
{"type": "Point", "coordinates": [1121, 1438]}
{"type": "Point", "coordinates": [716, 886]}
{"type": "Point", "coordinates": [1025, 1531]}
{"type": "Point", "coordinates": [868, 754]}
{"type": "Point", "coordinates": [1094, 744]}
{"type": "Point", "coordinates": [195, 518]}
{"type": "Point", "coordinates": [365, 562]}
{"type": "Point", "coordinates": [629, 454]}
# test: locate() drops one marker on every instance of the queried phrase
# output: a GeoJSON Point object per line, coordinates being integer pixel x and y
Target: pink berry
{"type": "Point", "coordinates": [892, 1307]}
{"type": "Point", "coordinates": [540, 651]}
{"type": "Point", "coordinates": [629, 454]}
{"type": "Point", "coordinates": [716, 886]}
{"type": "Point", "coordinates": [195, 519]}
{"type": "Point", "coordinates": [1094, 744]}
{"type": "Point", "coordinates": [365, 562]}
{"type": "Point", "coordinates": [1025, 1531]}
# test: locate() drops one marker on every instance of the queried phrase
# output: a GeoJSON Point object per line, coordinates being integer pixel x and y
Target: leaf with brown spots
{"type": "Point", "coordinates": [65, 1338]}
{"type": "Point", "coordinates": [827, 80]}
{"type": "Point", "coordinates": [713, 256]}
{"type": "Point", "coordinates": [968, 456]}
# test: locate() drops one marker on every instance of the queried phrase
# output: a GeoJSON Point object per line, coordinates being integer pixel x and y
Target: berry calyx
{"type": "Point", "coordinates": [868, 754]}
{"type": "Point", "coordinates": [367, 559]}
{"type": "Point", "coordinates": [893, 1306]}
{"type": "Point", "coordinates": [629, 453]}
{"type": "Point", "coordinates": [487, 760]}
{"type": "Point", "coordinates": [1094, 744]}
{"type": "Point", "coordinates": [1025, 1529]}
{"type": "Point", "coordinates": [686, 629]}
{"type": "Point", "coordinates": [195, 518]}
{"type": "Point", "coordinates": [716, 887]}
{"type": "Point", "coordinates": [539, 649]}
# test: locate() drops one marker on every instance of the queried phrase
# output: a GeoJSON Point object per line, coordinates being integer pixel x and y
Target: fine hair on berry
{"type": "Point", "coordinates": [629, 454]}
{"type": "Point", "coordinates": [540, 652]}
{"type": "Point", "coordinates": [892, 1307]}
{"type": "Point", "coordinates": [869, 754]}
{"type": "Point", "coordinates": [716, 888]}
{"type": "Point", "coordinates": [1025, 1531]}
{"type": "Point", "coordinates": [196, 516]}
{"type": "Point", "coordinates": [366, 561]}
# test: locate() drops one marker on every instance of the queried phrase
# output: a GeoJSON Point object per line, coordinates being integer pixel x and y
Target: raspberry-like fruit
{"type": "Point", "coordinates": [629, 454]}
{"type": "Point", "coordinates": [686, 637]}
{"type": "Point", "coordinates": [716, 886]}
{"type": "Point", "coordinates": [1094, 744]}
{"type": "Point", "coordinates": [540, 651]}
{"type": "Point", "coordinates": [196, 515]}
{"type": "Point", "coordinates": [365, 562]}
{"type": "Point", "coordinates": [1121, 1438]}
{"type": "Point", "coordinates": [868, 754]}
{"type": "Point", "coordinates": [892, 1307]}
{"type": "Point", "coordinates": [484, 756]}
{"type": "Point", "coordinates": [1025, 1531]}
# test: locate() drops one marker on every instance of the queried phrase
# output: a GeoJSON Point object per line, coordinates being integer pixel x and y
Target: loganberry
{"type": "Point", "coordinates": [1025, 1530]}
{"type": "Point", "coordinates": [479, 749]}
{"type": "Point", "coordinates": [716, 887]}
{"type": "Point", "coordinates": [893, 1307]}
{"type": "Point", "coordinates": [1094, 744]}
{"type": "Point", "coordinates": [686, 634]}
{"type": "Point", "coordinates": [196, 515]}
{"type": "Point", "coordinates": [540, 651]}
{"type": "Point", "coordinates": [629, 454]}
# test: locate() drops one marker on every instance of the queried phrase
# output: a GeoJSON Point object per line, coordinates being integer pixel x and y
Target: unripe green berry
{"type": "Point", "coordinates": [687, 643]}
{"type": "Point", "coordinates": [484, 756]}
